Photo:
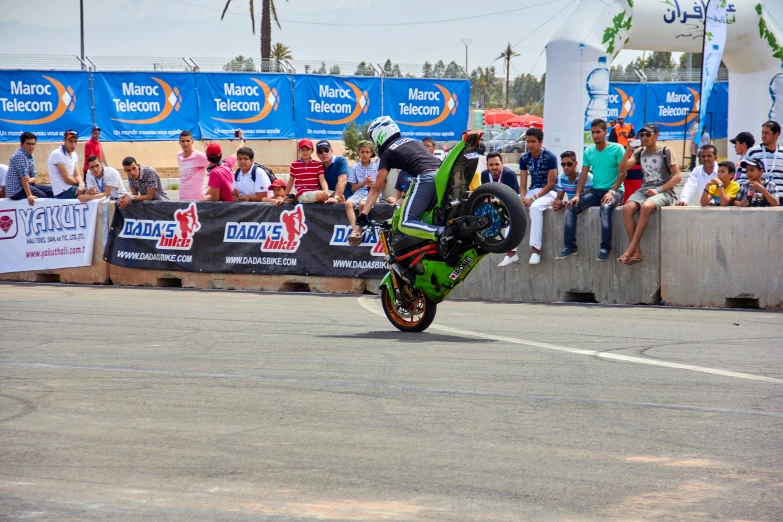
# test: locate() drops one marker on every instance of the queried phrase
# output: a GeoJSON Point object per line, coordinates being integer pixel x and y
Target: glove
{"type": "Point", "coordinates": [362, 221]}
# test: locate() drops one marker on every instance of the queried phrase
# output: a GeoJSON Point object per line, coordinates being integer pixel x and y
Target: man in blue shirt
{"type": "Point", "coordinates": [541, 165]}
{"type": "Point", "coordinates": [21, 172]}
{"type": "Point", "coordinates": [498, 173]}
{"type": "Point", "coordinates": [335, 171]}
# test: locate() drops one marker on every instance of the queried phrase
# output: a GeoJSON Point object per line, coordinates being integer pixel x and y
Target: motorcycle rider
{"type": "Point", "coordinates": [411, 156]}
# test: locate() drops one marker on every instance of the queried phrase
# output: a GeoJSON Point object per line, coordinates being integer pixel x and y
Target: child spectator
{"type": "Point", "coordinates": [361, 179]}
{"type": "Point", "coordinates": [279, 194]}
{"type": "Point", "coordinates": [721, 191]}
{"type": "Point", "coordinates": [401, 186]}
{"type": "Point", "coordinates": [756, 191]}
{"type": "Point", "coordinates": [307, 176]}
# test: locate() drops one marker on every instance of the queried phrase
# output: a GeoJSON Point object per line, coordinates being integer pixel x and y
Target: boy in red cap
{"type": "Point", "coordinates": [307, 176]}
{"type": "Point", "coordinates": [221, 173]}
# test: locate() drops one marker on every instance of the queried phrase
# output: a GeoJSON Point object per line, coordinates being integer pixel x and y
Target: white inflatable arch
{"type": "Point", "coordinates": [599, 29]}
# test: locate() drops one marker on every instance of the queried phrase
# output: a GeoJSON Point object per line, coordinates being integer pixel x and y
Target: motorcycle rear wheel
{"type": "Point", "coordinates": [509, 220]}
{"type": "Point", "coordinates": [416, 317]}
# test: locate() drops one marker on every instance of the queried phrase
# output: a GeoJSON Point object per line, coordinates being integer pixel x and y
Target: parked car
{"type": "Point", "coordinates": [509, 135]}
{"type": "Point", "coordinates": [519, 145]}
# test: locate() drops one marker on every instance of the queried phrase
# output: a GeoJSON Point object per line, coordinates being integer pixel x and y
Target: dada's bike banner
{"type": "Point", "coordinates": [428, 108]}
{"type": "Point", "coordinates": [259, 104]}
{"type": "Point", "coordinates": [244, 238]}
{"type": "Point", "coordinates": [325, 105]}
{"type": "Point", "coordinates": [44, 103]}
{"type": "Point", "coordinates": [53, 233]}
{"type": "Point", "coordinates": [145, 106]}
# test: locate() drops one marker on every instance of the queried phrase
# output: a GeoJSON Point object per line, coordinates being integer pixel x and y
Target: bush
{"type": "Point", "coordinates": [352, 135]}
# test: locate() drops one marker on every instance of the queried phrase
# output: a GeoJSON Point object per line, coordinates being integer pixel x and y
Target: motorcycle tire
{"type": "Point", "coordinates": [409, 322]}
{"type": "Point", "coordinates": [503, 205]}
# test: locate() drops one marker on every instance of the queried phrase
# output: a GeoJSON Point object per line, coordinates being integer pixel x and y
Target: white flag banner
{"type": "Point", "coordinates": [52, 233]}
{"type": "Point", "coordinates": [714, 44]}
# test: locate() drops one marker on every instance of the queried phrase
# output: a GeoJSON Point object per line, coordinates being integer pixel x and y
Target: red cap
{"type": "Point", "coordinates": [214, 150]}
{"type": "Point", "coordinates": [278, 183]}
{"type": "Point", "coordinates": [305, 143]}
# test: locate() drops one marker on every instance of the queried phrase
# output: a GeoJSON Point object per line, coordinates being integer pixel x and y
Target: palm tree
{"type": "Point", "coordinates": [280, 52]}
{"type": "Point", "coordinates": [268, 12]}
{"type": "Point", "coordinates": [507, 54]}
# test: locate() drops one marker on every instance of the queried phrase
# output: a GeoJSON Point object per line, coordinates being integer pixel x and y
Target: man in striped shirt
{"type": "Point", "coordinates": [771, 155]}
{"type": "Point", "coordinates": [307, 176]}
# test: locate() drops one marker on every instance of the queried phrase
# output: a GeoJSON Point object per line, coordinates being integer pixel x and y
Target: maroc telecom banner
{"type": "Point", "coordinates": [45, 103]}
{"type": "Point", "coordinates": [53, 233]}
{"type": "Point", "coordinates": [435, 108]}
{"type": "Point", "coordinates": [674, 107]}
{"type": "Point", "coordinates": [259, 104]}
{"type": "Point", "coordinates": [627, 100]}
{"type": "Point", "coordinates": [244, 238]}
{"type": "Point", "coordinates": [325, 105]}
{"type": "Point", "coordinates": [145, 106]}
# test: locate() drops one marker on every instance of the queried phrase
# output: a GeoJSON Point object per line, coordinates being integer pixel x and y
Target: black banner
{"type": "Point", "coordinates": [244, 238]}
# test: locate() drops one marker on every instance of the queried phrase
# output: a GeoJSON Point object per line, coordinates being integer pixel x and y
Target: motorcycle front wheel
{"type": "Point", "coordinates": [415, 316]}
{"type": "Point", "coordinates": [507, 214]}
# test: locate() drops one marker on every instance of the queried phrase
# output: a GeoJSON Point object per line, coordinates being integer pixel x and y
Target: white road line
{"type": "Point", "coordinates": [372, 304]}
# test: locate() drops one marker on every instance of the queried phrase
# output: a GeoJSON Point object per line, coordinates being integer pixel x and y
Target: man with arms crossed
{"type": "Point", "coordinates": [192, 169]}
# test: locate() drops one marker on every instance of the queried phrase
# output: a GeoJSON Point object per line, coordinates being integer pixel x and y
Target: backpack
{"type": "Point", "coordinates": [268, 172]}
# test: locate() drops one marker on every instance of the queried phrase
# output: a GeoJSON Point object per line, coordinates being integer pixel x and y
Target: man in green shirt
{"type": "Point", "coordinates": [603, 158]}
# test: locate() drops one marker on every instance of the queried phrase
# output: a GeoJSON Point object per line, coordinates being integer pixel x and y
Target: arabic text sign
{"type": "Point", "coordinates": [434, 108]}
{"type": "Point", "coordinates": [692, 12]}
{"type": "Point", "coordinates": [260, 104]}
{"type": "Point", "coordinates": [145, 106]}
{"type": "Point", "coordinates": [325, 105]}
{"type": "Point", "coordinates": [45, 103]}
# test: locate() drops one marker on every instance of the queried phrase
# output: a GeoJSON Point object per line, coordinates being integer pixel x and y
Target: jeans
{"type": "Point", "coordinates": [591, 199]}
{"type": "Point", "coordinates": [39, 191]}
{"type": "Point", "coordinates": [421, 198]}
{"type": "Point", "coordinates": [67, 194]}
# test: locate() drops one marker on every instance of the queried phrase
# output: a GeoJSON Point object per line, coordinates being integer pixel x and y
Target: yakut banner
{"type": "Point", "coordinates": [45, 103]}
{"type": "Point", "coordinates": [244, 238]}
{"type": "Point", "coordinates": [259, 104]}
{"type": "Point", "coordinates": [50, 234]}
{"type": "Point", "coordinates": [145, 106]}
{"type": "Point", "coordinates": [435, 108]}
{"type": "Point", "coordinates": [675, 107]}
{"type": "Point", "coordinates": [325, 105]}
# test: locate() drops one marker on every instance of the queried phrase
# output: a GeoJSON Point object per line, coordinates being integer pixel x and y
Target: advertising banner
{"type": "Point", "coordinates": [675, 107]}
{"type": "Point", "coordinates": [244, 238]}
{"type": "Point", "coordinates": [627, 100]}
{"type": "Point", "coordinates": [714, 43]}
{"type": "Point", "coordinates": [44, 103]}
{"type": "Point", "coordinates": [145, 106]}
{"type": "Point", "coordinates": [259, 104]}
{"type": "Point", "coordinates": [53, 233]}
{"type": "Point", "coordinates": [325, 105]}
{"type": "Point", "coordinates": [435, 108]}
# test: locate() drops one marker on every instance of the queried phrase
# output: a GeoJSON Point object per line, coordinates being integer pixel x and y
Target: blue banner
{"type": "Point", "coordinates": [44, 103]}
{"type": "Point", "coordinates": [627, 100]}
{"type": "Point", "coordinates": [435, 108]}
{"type": "Point", "coordinates": [675, 107]}
{"type": "Point", "coordinates": [145, 106]}
{"type": "Point", "coordinates": [259, 104]}
{"type": "Point", "coordinates": [325, 105]}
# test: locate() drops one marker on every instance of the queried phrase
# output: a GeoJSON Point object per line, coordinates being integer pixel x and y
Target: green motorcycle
{"type": "Point", "coordinates": [491, 219]}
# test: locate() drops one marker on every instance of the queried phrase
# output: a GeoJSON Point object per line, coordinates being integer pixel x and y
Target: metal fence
{"type": "Point", "coordinates": [663, 75]}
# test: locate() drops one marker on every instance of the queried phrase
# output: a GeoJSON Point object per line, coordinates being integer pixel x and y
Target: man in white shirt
{"type": "Point", "coordinates": [102, 181]}
{"type": "Point", "coordinates": [251, 182]}
{"type": "Point", "coordinates": [700, 176]}
{"type": "Point", "coordinates": [3, 173]}
{"type": "Point", "coordinates": [770, 154]}
{"type": "Point", "coordinates": [63, 167]}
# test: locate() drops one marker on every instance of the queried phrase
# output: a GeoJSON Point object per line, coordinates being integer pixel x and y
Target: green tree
{"type": "Point", "coordinates": [280, 52]}
{"type": "Point", "coordinates": [352, 135]}
{"type": "Point", "coordinates": [426, 70]}
{"type": "Point", "coordinates": [453, 70]}
{"type": "Point", "coordinates": [439, 71]}
{"type": "Point", "coordinates": [335, 70]}
{"type": "Point", "coordinates": [321, 69]}
{"type": "Point", "coordinates": [396, 72]}
{"type": "Point", "coordinates": [485, 87]}
{"type": "Point", "coordinates": [240, 64]}
{"type": "Point", "coordinates": [506, 55]}
{"type": "Point", "coordinates": [364, 70]}
{"type": "Point", "coordinates": [268, 13]}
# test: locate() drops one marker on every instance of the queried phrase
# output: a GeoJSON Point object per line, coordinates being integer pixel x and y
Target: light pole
{"type": "Point", "coordinates": [466, 41]}
{"type": "Point", "coordinates": [81, 27]}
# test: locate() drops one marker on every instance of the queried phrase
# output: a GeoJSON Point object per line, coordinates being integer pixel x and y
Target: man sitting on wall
{"type": "Point", "coordinates": [144, 183]}
{"type": "Point", "coordinates": [251, 180]}
{"type": "Point", "coordinates": [102, 181]}
{"type": "Point", "coordinates": [306, 176]}
{"type": "Point", "coordinates": [336, 172]}
{"type": "Point", "coordinates": [221, 173]}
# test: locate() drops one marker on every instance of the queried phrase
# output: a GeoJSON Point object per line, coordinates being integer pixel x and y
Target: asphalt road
{"type": "Point", "coordinates": [169, 404]}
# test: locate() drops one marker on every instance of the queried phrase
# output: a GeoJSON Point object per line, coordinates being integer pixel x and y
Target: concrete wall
{"type": "Point", "coordinates": [715, 256]}
{"type": "Point", "coordinates": [564, 280]}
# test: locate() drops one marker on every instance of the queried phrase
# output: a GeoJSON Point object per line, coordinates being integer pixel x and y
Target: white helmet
{"type": "Point", "coordinates": [382, 131]}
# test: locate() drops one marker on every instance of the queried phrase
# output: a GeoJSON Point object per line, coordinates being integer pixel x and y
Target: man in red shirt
{"type": "Point", "coordinates": [93, 147]}
{"type": "Point", "coordinates": [307, 177]}
{"type": "Point", "coordinates": [221, 173]}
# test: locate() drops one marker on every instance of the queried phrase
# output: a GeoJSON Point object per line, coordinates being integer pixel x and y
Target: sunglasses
{"type": "Point", "coordinates": [567, 164]}
{"type": "Point", "coordinates": [321, 151]}
{"type": "Point", "coordinates": [644, 134]}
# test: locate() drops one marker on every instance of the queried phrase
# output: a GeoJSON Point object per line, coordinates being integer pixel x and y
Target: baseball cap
{"type": "Point", "coordinates": [278, 183]}
{"type": "Point", "coordinates": [323, 144]}
{"type": "Point", "coordinates": [745, 138]}
{"type": "Point", "coordinates": [96, 129]}
{"type": "Point", "coordinates": [70, 134]}
{"type": "Point", "coordinates": [649, 127]}
{"type": "Point", "coordinates": [306, 142]}
{"type": "Point", "coordinates": [214, 150]}
{"type": "Point", "coordinates": [756, 162]}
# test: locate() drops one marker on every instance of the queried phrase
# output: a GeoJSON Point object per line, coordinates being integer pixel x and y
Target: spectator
{"type": "Point", "coordinates": [430, 145]}
{"type": "Point", "coordinates": [721, 191]}
{"type": "Point", "coordinates": [144, 183]}
{"type": "Point", "coordinates": [541, 165]}
{"type": "Point", "coordinates": [770, 154]}
{"type": "Point", "coordinates": [661, 175]}
{"type": "Point", "coordinates": [20, 179]}
{"type": "Point", "coordinates": [401, 186]}
{"type": "Point", "coordinates": [3, 174]}
{"type": "Point", "coordinates": [624, 132]}
{"type": "Point", "coordinates": [306, 176]}
{"type": "Point", "coordinates": [701, 175]}
{"type": "Point", "coordinates": [279, 195]}
{"type": "Point", "coordinates": [604, 158]}
{"type": "Point", "coordinates": [757, 191]}
{"type": "Point", "coordinates": [498, 173]}
{"type": "Point", "coordinates": [568, 181]}
{"type": "Point", "coordinates": [481, 166]}
{"type": "Point", "coordinates": [221, 173]}
{"type": "Point", "coordinates": [612, 137]}
{"type": "Point", "coordinates": [694, 147]}
{"type": "Point", "coordinates": [361, 180]}
{"type": "Point", "coordinates": [192, 169]}
{"type": "Point", "coordinates": [251, 181]}
{"type": "Point", "coordinates": [742, 144]}
{"type": "Point", "coordinates": [336, 172]}
{"type": "Point", "coordinates": [102, 181]}
{"type": "Point", "coordinates": [63, 166]}
{"type": "Point", "coordinates": [93, 147]}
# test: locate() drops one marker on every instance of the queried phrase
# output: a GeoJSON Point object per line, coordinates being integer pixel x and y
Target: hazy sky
{"type": "Point", "coordinates": [180, 28]}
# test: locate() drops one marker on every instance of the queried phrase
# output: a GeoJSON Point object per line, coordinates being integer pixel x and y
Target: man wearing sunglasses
{"type": "Point", "coordinates": [63, 166]}
{"type": "Point", "coordinates": [336, 171]}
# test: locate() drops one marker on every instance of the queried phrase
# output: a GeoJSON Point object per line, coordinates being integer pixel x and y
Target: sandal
{"type": "Point", "coordinates": [634, 260]}
{"type": "Point", "coordinates": [354, 239]}
{"type": "Point", "coordinates": [624, 259]}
